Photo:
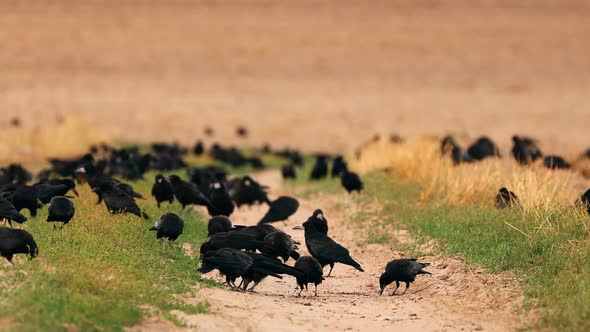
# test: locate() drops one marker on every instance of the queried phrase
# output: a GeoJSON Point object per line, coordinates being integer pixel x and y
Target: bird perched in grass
{"type": "Point", "coordinates": [288, 172]}
{"type": "Point", "coordinates": [47, 189]}
{"type": "Point", "coordinates": [218, 224]}
{"type": "Point", "coordinates": [312, 272]}
{"type": "Point", "coordinates": [339, 166]}
{"type": "Point", "coordinates": [326, 250]}
{"type": "Point", "coordinates": [351, 181]}
{"type": "Point", "coordinates": [199, 148]}
{"type": "Point", "coordinates": [61, 209]}
{"type": "Point", "coordinates": [23, 197]}
{"type": "Point", "coordinates": [555, 162]}
{"type": "Point", "coordinates": [162, 190]}
{"type": "Point", "coordinates": [280, 244]}
{"type": "Point", "coordinates": [169, 225]}
{"type": "Point", "coordinates": [9, 213]}
{"type": "Point", "coordinates": [320, 168]}
{"type": "Point", "coordinates": [232, 263]}
{"type": "Point", "coordinates": [525, 150]}
{"type": "Point", "coordinates": [280, 209]}
{"type": "Point", "coordinates": [187, 193]}
{"type": "Point", "coordinates": [118, 201]}
{"type": "Point", "coordinates": [16, 241]}
{"type": "Point", "coordinates": [483, 148]}
{"type": "Point", "coordinates": [220, 202]}
{"type": "Point", "coordinates": [404, 270]}
{"type": "Point", "coordinates": [585, 200]}
{"type": "Point", "coordinates": [505, 199]}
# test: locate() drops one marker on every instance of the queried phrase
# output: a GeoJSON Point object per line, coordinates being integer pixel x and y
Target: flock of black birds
{"type": "Point", "coordinates": [251, 253]}
{"type": "Point", "coordinates": [525, 151]}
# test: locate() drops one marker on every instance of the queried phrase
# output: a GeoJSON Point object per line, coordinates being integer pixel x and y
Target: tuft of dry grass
{"type": "Point", "coordinates": [419, 160]}
{"type": "Point", "coordinates": [71, 136]}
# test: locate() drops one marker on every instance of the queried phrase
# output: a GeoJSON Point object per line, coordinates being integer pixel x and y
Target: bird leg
{"type": "Point", "coordinates": [396, 287]}
{"type": "Point", "coordinates": [300, 291]}
{"type": "Point", "coordinates": [331, 267]}
{"type": "Point", "coordinates": [170, 243]}
{"type": "Point", "coordinates": [316, 289]}
{"type": "Point", "coordinates": [407, 286]}
{"type": "Point", "coordinates": [53, 226]}
{"type": "Point", "coordinates": [252, 289]}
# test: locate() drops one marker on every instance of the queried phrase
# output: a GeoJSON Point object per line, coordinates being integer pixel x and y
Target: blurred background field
{"type": "Point", "coordinates": [312, 74]}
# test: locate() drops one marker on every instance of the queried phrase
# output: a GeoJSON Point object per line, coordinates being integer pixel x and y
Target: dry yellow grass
{"type": "Point", "coordinates": [420, 160]}
{"type": "Point", "coordinates": [72, 136]}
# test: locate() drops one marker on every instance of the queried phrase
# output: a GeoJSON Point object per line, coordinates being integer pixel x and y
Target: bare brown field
{"type": "Point", "coordinates": [313, 74]}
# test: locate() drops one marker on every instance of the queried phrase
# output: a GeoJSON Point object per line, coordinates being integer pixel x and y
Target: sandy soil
{"type": "Point", "coordinates": [312, 73]}
{"type": "Point", "coordinates": [453, 298]}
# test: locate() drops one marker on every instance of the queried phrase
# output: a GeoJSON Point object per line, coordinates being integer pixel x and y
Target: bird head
{"type": "Point", "coordinates": [174, 179]}
{"type": "Point", "coordinates": [504, 191]}
{"type": "Point", "coordinates": [382, 283]}
{"type": "Point", "coordinates": [318, 214]}
{"type": "Point", "coordinates": [33, 251]}
{"type": "Point", "coordinates": [160, 178]}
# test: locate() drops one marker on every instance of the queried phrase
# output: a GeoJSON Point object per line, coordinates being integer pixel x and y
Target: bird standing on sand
{"type": "Point", "coordinates": [312, 272]}
{"type": "Point", "coordinates": [404, 270]}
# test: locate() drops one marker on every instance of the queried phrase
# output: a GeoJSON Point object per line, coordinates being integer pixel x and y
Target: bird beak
{"type": "Point", "coordinates": [95, 189]}
{"type": "Point", "coordinates": [80, 170]}
{"type": "Point", "coordinates": [76, 192]}
{"type": "Point", "coordinates": [298, 227]}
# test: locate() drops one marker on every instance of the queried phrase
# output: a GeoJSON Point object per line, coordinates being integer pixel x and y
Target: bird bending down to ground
{"type": "Point", "coordinates": [280, 209]}
{"type": "Point", "coordinates": [280, 244]}
{"type": "Point", "coordinates": [264, 266]}
{"type": "Point", "coordinates": [16, 241]}
{"type": "Point", "coordinates": [219, 224]}
{"type": "Point", "coordinates": [312, 272]}
{"type": "Point", "coordinates": [326, 250]}
{"type": "Point", "coordinates": [505, 199]}
{"type": "Point", "coordinates": [170, 226]}
{"type": "Point", "coordinates": [232, 263]}
{"type": "Point", "coordinates": [117, 201]}
{"type": "Point", "coordinates": [61, 209]}
{"type": "Point", "coordinates": [187, 193]}
{"type": "Point", "coordinates": [8, 212]}
{"type": "Point", "coordinates": [404, 270]}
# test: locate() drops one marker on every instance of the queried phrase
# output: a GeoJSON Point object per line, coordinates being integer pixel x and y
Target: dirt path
{"type": "Point", "coordinates": [453, 298]}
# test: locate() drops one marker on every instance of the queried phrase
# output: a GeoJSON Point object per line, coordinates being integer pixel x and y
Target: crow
{"type": "Point", "coordinates": [280, 209]}
{"type": "Point", "coordinates": [14, 174]}
{"type": "Point", "coordinates": [219, 224]}
{"type": "Point", "coordinates": [319, 221]}
{"type": "Point", "coordinates": [169, 225]}
{"type": "Point", "coordinates": [312, 272]}
{"type": "Point", "coordinates": [351, 181]}
{"type": "Point", "coordinates": [16, 241]}
{"type": "Point", "coordinates": [246, 191]}
{"type": "Point", "coordinates": [118, 201]}
{"type": "Point", "coordinates": [482, 148]}
{"type": "Point", "coordinates": [584, 199]}
{"type": "Point", "coordinates": [221, 203]}
{"type": "Point", "coordinates": [45, 193]}
{"type": "Point", "coordinates": [61, 209]}
{"type": "Point", "coordinates": [280, 244]}
{"type": "Point", "coordinates": [23, 197]}
{"type": "Point", "coordinates": [162, 190]}
{"type": "Point", "coordinates": [232, 263]}
{"type": "Point", "coordinates": [326, 250]}
{"type": "Point", "coordinates": [187, 193]}
{"type": "Point", "coordinates": [505, 199]}
{"type": "Point", "coordinates": [339, 166]}
{"type": "Point", "coordinates": [263, 266]}
{"type": "Point", "coordinates": [8, 212]}
{"type": "Point", "coordinates": [450, 147]}
{"type": "Point", "coordinates": [235, 240]}
{"type": "Point", "coordinates": [555, 162]}
{"type": "Point", "coordinates": [524, 150]}
{"type": "Point", "coordinates": [199, 148]}
{"type": "Point", "coordinates": [404, 270]}
{"type": "Point", "coordinates": [67, 167]}
{"type": "Point", "coordinates": [258, 232]}
{"type": "Point", "coordinates": [320, 168]}
{"type": "Point", "coordinates": [288, 172]}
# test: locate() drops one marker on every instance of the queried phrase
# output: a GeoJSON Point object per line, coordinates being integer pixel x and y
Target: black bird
{"type": "Point", "coordinates": [232, 263]}
{"type": "Point", "coordinates": [258, 232]}
{"type": "Point", "coordinates": [320, 168]}
{"type": "Point", "coordinates": [235, 240]}
{"type": "Point", "coordinates": [23, 197]}
{"type": "Point", "coordinates": [585, 200]}
{"type": "Point", "coordinates": [326, 250]}
{"type": "Point", "coordinates": [450, 147]}
{"type": "Point", "coordinates": [16, 241]}
{"type": "Point", "coordinates": [482, 148]}
{"type": "Point", "coordinates": [49, 188]}
{"type": "Point", "coordinates": [288, 172]}
{"type": "Point", "coordinates": [263, 266]}
{"type": "Point", "coordinates": [525, 150]}
{"type": "Point", "coordinates": [169, 225]}
{"type": "Point", "coordinates": [118, 201]}
{"type": "Point", "coordinates": [505, 199]}
{"type": "Point", "coordinates": [187, 193]}
{"type": "Point", "coordinates": [280, 209]}
{"type": "Point", "coordinates": [199, 148]}
{"type": "Point", "coordinates": [246, 191]}
{"type": "Point", "coordinates": [351, 182]}
{"type": "Point", "coordinates": [312, 272]}
{"type": "Point", "coordinates": [219, 224]}
{"type": "Point", "coordinates": [319, 221]}
{"type": "Point", "coordinates": [219, 199]}
{"type": "Point", "coordinates": [8, 212]}
{"type": "Point", "coordinates": [14, 174]}
{"type": "Point", "coordinates": [61, 209]}
{"type": "Point", "coordinates": [339, 166]}
{"type": "Point", "coordinates": [555, 162]}
{"type": "Point", "coordinates": [162, 190]}
{"type": "Point", "coordinates": [280, 244]}
{"type": "Point", "coordinates": [404, 270]}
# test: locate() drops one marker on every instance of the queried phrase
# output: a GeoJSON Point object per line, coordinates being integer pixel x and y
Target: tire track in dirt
{"type": "Point", "coordinates": [454, 298]}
